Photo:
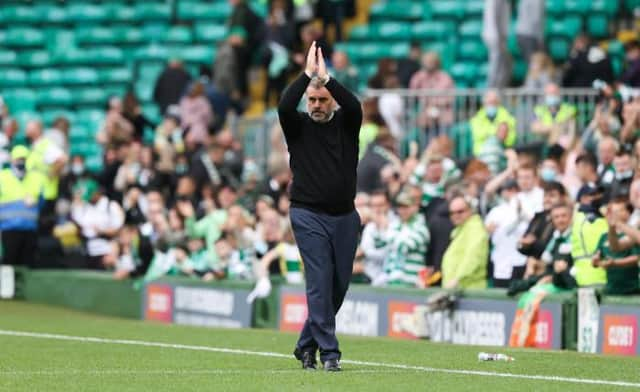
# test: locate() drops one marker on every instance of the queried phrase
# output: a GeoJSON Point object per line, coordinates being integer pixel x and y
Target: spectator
{"type": "Point", "coordinates": [288, 256]}
{"type": "Point", "coordinates": [607, 150]}
{"type": "Point", "coordinates": [225, 67]}
{"type": "Point", "coordinates": [344, 72]}
{"type": "Point", "coordinates": [587, 63]}
{"type": "Point", "coordinates": [630, 132]}
{"type": "Point", "coordinates": [534, 240]}
{"type": "Point", "coordinates": [530, 195]}
{"type": "Point", "coordinates": [541, 72]}
{"type": "Point", "coordinates": [170, 85]}
{"type": "Point", "coordinates": [506, 224]}
{"type": "Point", "coordinates": [195, 116]}
{"type": "Point", "coordinates": [606, 122]}
{"type": "Point", "coordinates": [372, 121]}
{"type": "Point", "coordinates": [588, 226]}
{"type": "Point", "coordinates": [9, 128]}
{"type": "Point", "coordinates": [631, 74]}
{"type": "Point", "coordinates": [408, 240]}
{"type": "Point", "coordinates": [77, 171]}
{"type": "Point", "coordinates": [21, 194]}
{"type": "Point", "coordinates": [392, 108]}
{"type": "Point", "coordinates": [47, 159]}
{"type": "Point", "coordinates": [334, 12]}
{"type": "Point", "coordinates": [279, 179]}
{"type": "Point", "coordinates": [279, 41]}
{"type": "Point", "coordinates": [621, 265]}
{"type": "Point", "coordinates": [243, 18]}
{"type": "Point", "coordinates": [133, 251]}
{"type": "Point", "coordinates": [624, 173]}
{"type": "Point", "coordinates": [309, 34]}
{"type": "Point", "coordinates": [436, 113]}
{"type": "Point", "coordinates": [496, 19]}
{"type": "Point", "coordinates": [374, 244]}
{"type": "Point", "coordinates": [132, 111]}
{"type": "Point", "coordinates": [99, 219]}
{"type": "Point", "coordinates": [485, 124]}
{"type": "Point", "coordinates": [407, 67]}
{"type": "Point", "coordinates": [233, 155]}
{"type": "Point", "coordinates": [59, 133]}
{"type": "Point", "coordinates": [555, 119]}
{"type": "Point", "coordinates": [386, 67]}
{"type": "Point", "coordinates": [378, 154]}
{"type": "Point", "coordinates": [530, 27]}
{"type": "Point", "coordinates": [168, 144]}
{"type": "Point", "coordinates": [116, 129]}
{"type": "Point", "coordinates": [208, 167]}
{"type": "Point", "coordinates": [464, 264]}
{"type": "Point", "coordinates": [429, 175]}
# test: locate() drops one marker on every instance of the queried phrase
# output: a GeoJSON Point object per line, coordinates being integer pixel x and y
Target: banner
{"type": "Point", "coordinates": [619, 326]}
{"type": "Point", "coordinates": [377, 313]}
{"type": "Point", "coordinates": [7, 282]}
{"type": "Point", "coordinates": [197, 305]}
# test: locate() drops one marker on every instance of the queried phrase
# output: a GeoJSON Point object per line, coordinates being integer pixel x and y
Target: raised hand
{"type": "Point", "coordinates": [322, 67]}
{"type": "Point", "coordinates": [312, 61]}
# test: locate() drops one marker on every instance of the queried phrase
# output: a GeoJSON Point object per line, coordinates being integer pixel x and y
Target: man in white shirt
{"type": "Point", "coordinates": [506, 224]}
{"type": "Point", "coordinates": [99, 219]}
{"type": "Point", "coordinates": [530, 195]}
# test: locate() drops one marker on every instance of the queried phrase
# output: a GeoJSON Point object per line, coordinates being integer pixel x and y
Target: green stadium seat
{"type": "Point", "coordinates": [92, 118]}
{"type": "Point", "coordinates": [95, 35]}
{"type": "Point", "coordinates": [152, 11]}
{"type": "Point", "coordinates": [80, 75]}
{"type": "Point", "coordinates": [598, 25]}
{"type": "Point", "coordinates": [474, 9]}
{"type": "Point", "coordinates": [461, 136]}
{"type": "Point", "coordinates": [615, 49]}
{"type": "Point", "coordinates": [8, 57]}
{"type": "Point", "coordinates": [447, 9]}
{"type": "Point", "coordinates": [107, 55]}
{"type": "Point", "coordinates": [446, 50]}
{"type": "Point", "coordinates": [19, 99]}
{"type": "Point", "coordinates": [568, 27]}
{"type": "Point", "coordinates": [144, 90]}
{"type": "Point", "coordinates": [128, 35]}
{"type": "Point", "coordinates": [115, 75]}
{"type": "Point", "coordinates": [177, 34]}
{"type": "Point", "coordinates": [632, 5]}
{"type": "Point", "coordinates": [21, 14]}
{"type": "Point", "coordinates": [391, 31]}
{"type": "Point", "coordinates": [555, 7]}
{"type": "Point", "coordinates": [519, 71]}
{"type": "Point", "coordinates": [13, 77]}
{"type": "Point", "coordinates": [90, 96]}
{"type": "Point", "coordinates": [75, 56]}
{"type": "Point", "coordinates": [464, 72]}
{"type": "Point", "coordinates": [559, 49]}
{"type": "Point", "coordinates": [201, 54]}
{"type": "Point", "coordinates": [45, 77]}
{"type": "Point", "coordinates": [616, 64]}
{"type": "Point", "coordinates": [608, 7]}
{"type": "Point", "coordinates": [398, 10]}
{"type": "Point", "coordinates": [24, 37]}
{"type": "Point", "coordinates": [35, 58]}
{"type": "Point", "coordinates": [432, 30]}
{"type": "Point", "coordinates": [190, 11]}
{"type": "Point", "coordinates": [208, 32]}
{"type": "Point", "coordinates": [150, 70]}
{"type": "Point", "coordinates": [94, 163]}
{"type": "Point", "coordinates": [51, 14]}
{"type": "Point", "coordinates": [49, 116]}
{"type": "Point", "coordinates": [80, 133]}
{"type": "Point", "coordinates": [121, 13]}
{"type": "Point", "coordinates": [24, 116]}
{"type": "Point", "coordinates": [86, 13]}
{"type": "Point", "coordinates": [471, 28]}
{"type": "Point", "coordinates": [3, 36]}
{"type": "Point", "coordinates": [56, 96]}
{"type": "Point", "coordinates": [152, 112]}
{"type": "Point", "coordinates": [152, 52]}
{"type": "Point", "coordinates": [472, 50]}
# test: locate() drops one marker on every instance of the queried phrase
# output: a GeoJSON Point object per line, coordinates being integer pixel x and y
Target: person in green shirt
{"type": "Point", "coordinates": [208, 227]}
{"type": "Point", "coordinates": [621, 264]}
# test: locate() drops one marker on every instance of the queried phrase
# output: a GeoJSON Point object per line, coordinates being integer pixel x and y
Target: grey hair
{"type": "Point", "coordinates": [316, 83]}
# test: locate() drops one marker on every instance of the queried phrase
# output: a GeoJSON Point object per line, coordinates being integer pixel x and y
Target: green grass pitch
{"type": "Point", "coordinates": [190, 359]}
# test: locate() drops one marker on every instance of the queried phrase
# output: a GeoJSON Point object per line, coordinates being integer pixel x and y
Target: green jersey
{"type": "Point", "coordinates": [623, 279]}
{"type": "Point", "coordinates": [408, 242]}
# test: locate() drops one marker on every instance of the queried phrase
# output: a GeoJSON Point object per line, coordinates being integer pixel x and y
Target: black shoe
{"type": "Point", "coordinates": [308, 358]}
{"type": "Point", "coordinates": [332, 365]}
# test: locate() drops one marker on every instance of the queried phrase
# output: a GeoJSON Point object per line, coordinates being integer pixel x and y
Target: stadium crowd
{"type": "Point", "coordinates": [564, 209]}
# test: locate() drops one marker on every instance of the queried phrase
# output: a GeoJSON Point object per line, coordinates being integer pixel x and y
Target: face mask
{"type": "Point", "coordinates": [181, 168]}
{"type": "Point", "coordinates": [548, 174]}
{"type": "Point", "coordinates": [19, 169]}
{"type": "Point", "coordinates": [491, 111]}
{"type": "Point", "coordinates": [624, 175]}
{"type": "Point", "coordinates": [552, 100]}
{"type": "Point", "coordinates": [77, 169]}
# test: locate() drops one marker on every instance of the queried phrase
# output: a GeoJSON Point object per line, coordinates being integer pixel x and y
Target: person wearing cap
{"type": "Point", "coordinates": [99, 220]}
{"type": "Point", "coordinates": [323, 148]}
{"type": "Point", "coordinates": [21, 197]}
{"type": "Point", "coordinates": [408, 239]}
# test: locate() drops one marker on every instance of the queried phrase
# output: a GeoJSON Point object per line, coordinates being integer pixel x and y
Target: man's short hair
{"type": "Point", "coordinates": [588, 159]}
{"type": "Point", "coordinates": [554, 186]}
{"type": "Point", "coordinates": [623, 200]}
{"type": "Point", "coordinates": [316, 83]}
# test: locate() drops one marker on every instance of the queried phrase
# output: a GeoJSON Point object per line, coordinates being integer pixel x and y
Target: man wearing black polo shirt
{"type": "Point", "coordinates": [323, 148]}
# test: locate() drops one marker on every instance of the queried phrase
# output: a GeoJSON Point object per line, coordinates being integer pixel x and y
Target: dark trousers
{"type": "Point", "coordinates": [327, 245]}
{"type": "Point", "coordinates": [528, 46]}
{"type": "Point", "coordinates": [20, 247]}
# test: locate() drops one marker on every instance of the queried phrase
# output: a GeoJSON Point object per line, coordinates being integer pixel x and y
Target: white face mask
{"type": "Point", "coordinates": [77, 168]}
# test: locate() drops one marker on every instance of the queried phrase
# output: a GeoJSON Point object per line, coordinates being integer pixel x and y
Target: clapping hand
{"type": "Point", "coordinates": [315, 63]}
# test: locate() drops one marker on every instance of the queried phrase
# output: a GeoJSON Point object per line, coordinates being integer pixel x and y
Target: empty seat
{"type": "Point", "coordinates": [152, 11]}
{"type": "Point", "coordinates": [56, 96]}
{"type": "Point", "coordinates": [471, 28]}
{"type": "Point", "coordinates": [203, 11]}
{"type": "Point", "coordinates": [107, 55]}
{"type": "Point", "coordinates": [177, 34]}
{"type": "Point", "coordinates": [45, 77]}
{"type": "Point", "coordinates": [90, 96]}
{"type": "Point", "coordinates": [95, 35]}
{"type": "Point", "coordinates": [152, 52]}
{"type": "Point", "coordinates": [115, 75]}
{"type": "Point", "coordinates": [80, 75]}
{"type": "Point", "coordinates": [24, 37]}
{"type": "Point", "coordinates": [121, 13]}
{"type": "Point", "coordinates": [19, 99]}
{"type": "Point", "coordinates": [206, 31]}
{"type": "Point", "coordinates": [598, 25]}
{"type": "Point", "coordinates": [35, 58]}
{"type": "Point", "coordinates": [398, 10]}
{"type": "Point", "coordinates": [432, 30]}
{"type": "Point", "coordinates": [8, 57]}
{"type": "Point", "coordinates": [86, 13]}
{"type": "Point", "coordinates": [49, 116]}
{"type": "Point", "coordinates": [18, 14]}
{"type": "Point", "coordinates": [472, 50]}
{"type": "Point", "coordinates": [559, 49]}
{"type": "Point", "coordinates": [128, 35]}
{"type": "Point", "coordinates": [12, 77]}
{"type": "Point", "coordinates": [201, 54]}
{"type": "Point", "coordinates": [568, 27]}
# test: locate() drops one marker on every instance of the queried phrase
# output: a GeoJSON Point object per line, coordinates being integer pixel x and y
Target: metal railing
{"type": "Point", "coordinates": [463, 104]}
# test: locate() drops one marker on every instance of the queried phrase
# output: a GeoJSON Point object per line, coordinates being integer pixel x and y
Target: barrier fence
{"type": "Point", "coordinates": [455, 108]}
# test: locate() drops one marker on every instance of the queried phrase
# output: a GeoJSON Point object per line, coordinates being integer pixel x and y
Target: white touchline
{"type": "Point", "coordinates": [88, 339]}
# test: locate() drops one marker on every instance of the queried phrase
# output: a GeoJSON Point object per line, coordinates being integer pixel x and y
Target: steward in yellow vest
{"type": "Point", "coordinates": [484, 125]}
{"type": "Point", "coordinates": [588, 227]}
{"type": "Point", "coordinates": [555, 119]}
{"type": "Point", "coordinates": [21, 196]}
